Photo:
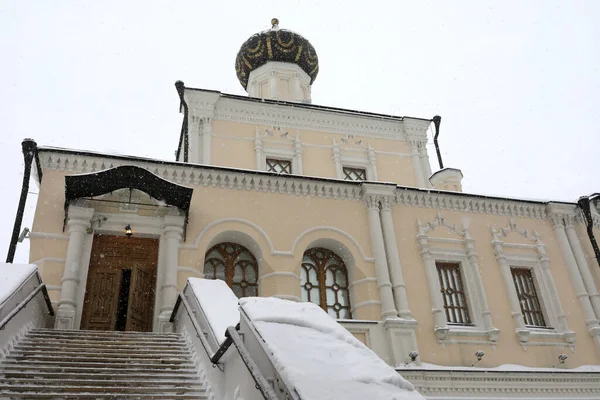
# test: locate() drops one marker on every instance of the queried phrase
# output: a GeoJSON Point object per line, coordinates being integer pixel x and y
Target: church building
{"type": "Point", "coordinates": [464, 295]}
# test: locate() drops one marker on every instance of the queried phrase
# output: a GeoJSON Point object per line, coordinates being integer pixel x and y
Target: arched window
{"type": "Point", "coordinates": [235, 265]}
{"type": "Point", "coordinates": [324, 280]}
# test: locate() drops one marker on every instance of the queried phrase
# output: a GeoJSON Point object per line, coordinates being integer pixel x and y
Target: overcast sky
{"type": "Point", "coordinates": [517, 83]}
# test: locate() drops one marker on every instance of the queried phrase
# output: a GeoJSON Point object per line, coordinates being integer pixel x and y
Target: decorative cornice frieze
{"type": "Point", "coordinates": [307, 119]}
{"type": "Point", "coordinates": [513, 208]}
{"type": "Point", "coordinates": [503, 384]}
{"type": "Point", "coordinates": [206, 176]}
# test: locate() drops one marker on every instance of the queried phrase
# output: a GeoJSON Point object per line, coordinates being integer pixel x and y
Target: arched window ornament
{"type": "Point", "coordinates": [324, 280]}
{"type": "Point", "coordinates": [235, 265]}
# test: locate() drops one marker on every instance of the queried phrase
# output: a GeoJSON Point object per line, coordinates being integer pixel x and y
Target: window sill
{"type": "Point", "coordinates": [545, 337]}
{"type": "Point", "coordinates": [449, 334]}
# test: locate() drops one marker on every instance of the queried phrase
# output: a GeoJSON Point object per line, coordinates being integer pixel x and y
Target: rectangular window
{"type": "Point", "coordinates": [354, 174]}
{"type": "Point", "coordinates": [528, 298]}
{"type": "Point", "coordinates": [279, 166]}
{"type": "Point", "coordinates": [453, 293]}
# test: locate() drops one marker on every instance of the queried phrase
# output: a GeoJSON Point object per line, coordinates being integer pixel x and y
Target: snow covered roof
{"type": "Point", "coordinates": [318, 357]}
{"type": "Point", "coordinates": [12, 276]}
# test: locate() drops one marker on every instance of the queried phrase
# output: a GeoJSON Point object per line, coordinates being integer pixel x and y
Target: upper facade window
{"type": "Point", "coordinates": [354, 174]}
{"type": "Point", "coordinates": [235, 265]}
{"type": "Point", "coordinates": [324, 280]}
{"type": "Point", "coordinates": [528, 298]}
{"type": "Point", "coordinates": [279, 166]}
{"type": "Point", "coordinates": [453, 293]}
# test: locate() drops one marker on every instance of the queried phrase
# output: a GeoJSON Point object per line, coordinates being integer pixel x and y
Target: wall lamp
{"type": "Point", "coordinates": [128, 231]}
{"type": "Point", "coordinates": [479, 354]}
{"type": "Point", "coordinates": [412, 357]}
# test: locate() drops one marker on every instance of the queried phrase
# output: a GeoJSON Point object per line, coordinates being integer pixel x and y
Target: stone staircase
{"type": "Point", "coordinates": [53, 364]}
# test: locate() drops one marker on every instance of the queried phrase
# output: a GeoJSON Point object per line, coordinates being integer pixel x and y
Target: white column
{"type": "Point", "coordinates": [273, 86]}
{"type": "Point", "coordinates": [381, 268]}
{"type": "Point", "coordinates": [551, 288]}
{"type": "Point", "coordinates": [298, 148]}
{"type": "Point", "coordinates": [515, 307]}
{"type": "Point", "coordinates": [372, 164]}
{"type": "Point", "coordinates": [486, 315]}
{"type": "Point", "coordinates": [206, 140]}
{"type": "Point", "coordinates": [426, 166]}
{"type": "Point", "coordinates": [583, 265]}
{"type": "Point", "coordinates": [337, 160]}
{"type": "Point", "coordinates": [437, 303]}
{"type": "Point", "coordinates": [416, 162]}
{"type": "Point", "coordinates": [258, 149]}
{"type": "Point", "coordinates": [393, 259]}
{"type": "Point", "coordinates": [578, 283]}
{"type": "Point", "coordinates": [172, 232]}
{"type": "Point", "coordinates": [194, 155]}
{"type": "Point", "coordinates": [77, 224]}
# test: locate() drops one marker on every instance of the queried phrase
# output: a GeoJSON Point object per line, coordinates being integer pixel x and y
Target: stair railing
{"type": "Point", "coordinates": [231, 337]}
{"type": "Point", "coordinates": [188, 309]}
{"type": "Point", "coordinates": [26, 300]}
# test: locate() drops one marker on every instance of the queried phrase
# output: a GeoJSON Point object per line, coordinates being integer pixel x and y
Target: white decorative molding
{"type": "Point", "coordinates": [364, 304]}
{"type": "Point", "coordinates": [48, 259]}
{"type": "Point", "coordinates": [539, 263]}
{"type": "Point", "coordinates": [190, 174]}
{"type": "Point", "coordinates": [329, 229]}
{"type": "Point", "coordinates": [286, 274]}
{"type": "Point", "coordinates": [467, 258]}
{"type": "Point", "coordinates": [363, 280]}
{"type": "Point", "coordinates": [46, 235]}
{"type": "Point", "coordinates": [201, 175]}
{"type": "Point", "coordinates": [481, 383]}
{"type": "Point", "coordinates": [194, 271]}
{"type": "Point", "coordinates": [314, 119]}
{"type": "Point", "coordinates": [466, 203]}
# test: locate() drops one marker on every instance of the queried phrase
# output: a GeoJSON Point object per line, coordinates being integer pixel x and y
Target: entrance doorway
{"type": "Point", "coordinates": [121, 284]}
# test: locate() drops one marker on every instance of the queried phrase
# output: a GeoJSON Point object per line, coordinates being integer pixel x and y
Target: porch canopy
{"type": "Point", "coordinates": [127, 177]}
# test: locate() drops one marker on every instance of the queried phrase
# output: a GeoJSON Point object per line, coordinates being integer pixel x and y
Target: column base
{"type": "Point", "coordinates": [402, 339]}
{"type": "Point", "coordinates": [65, 317]}
{"type": "Point", "coordinates": [164, 325]}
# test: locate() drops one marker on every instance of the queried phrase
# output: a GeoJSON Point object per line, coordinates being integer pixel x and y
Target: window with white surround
{"type": "Point", "coordinates": [453, 293]}
{"type": "Point", "coordinates": [279, 166]}
{"type": "Point", "coordinates": [354, 174]}
{"type": "Point", "coordinates": [534, 301]}
{"type": "Point", "coordinates": [459, 305]}
{"type": "Point", "coordinates": [531, 307]}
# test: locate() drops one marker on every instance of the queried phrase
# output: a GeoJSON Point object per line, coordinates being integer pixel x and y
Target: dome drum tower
{"type": "Point", "coordinates": [277, 64]}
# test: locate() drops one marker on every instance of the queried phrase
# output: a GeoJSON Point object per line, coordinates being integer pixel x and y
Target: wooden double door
{"type": "Point", "coordinates": [121, 284]}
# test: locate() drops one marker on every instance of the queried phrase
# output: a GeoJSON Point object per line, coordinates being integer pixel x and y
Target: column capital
{"type": "Point", "coordinates": [386, 203]}
{"type": "Point", "coordinates": [372, 202]}
{"type": "Point", "coordinates": [173, 225]}
{"type": "Point", "coordinates": [79, 218]}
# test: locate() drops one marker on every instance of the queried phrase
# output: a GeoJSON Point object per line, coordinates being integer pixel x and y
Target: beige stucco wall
{"type": "Point", "coordinates": [279, 227]}
{"type": "Point", "coordinates": [233, 146]}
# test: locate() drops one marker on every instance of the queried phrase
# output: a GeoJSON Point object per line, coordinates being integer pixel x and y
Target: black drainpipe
{"type": "Point", "coordinates": [437, 120]}
{"type": "Point", "coordinates": [29, 152]}
{"type": "Point", "coordinates": [584, 204]}
{"type": "Point", "coordinates": [183, 139]}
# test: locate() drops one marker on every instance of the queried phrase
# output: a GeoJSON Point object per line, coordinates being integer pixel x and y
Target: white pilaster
{"type": "Point", "coordinates": [393, 259]}
{"type": "Point", "coordinates": [574, 271]}
{"type": "Point", "coordinates": [381, 268]}
{"type": "Point", "coordinates": [77, 224]}
{"type": "Point", "coordinates": [337, 160]}
{"type": "Point", "coordinates": [372, 164]}
{"type": "Point", "coordinates": [195, 145]}
{"type": "Point", "coordinates": [551, 288]}
{"type": "Point", "coordinates": [424, 159]}
{"type": "Point", "coordinates": [172, 233]}
{"type": "Point", "coordinates": [206, 140]}
{"type": "Point", "coordinates": [298, 157]}
{"type": "Point", "coordinates": [437, 303]}
{"type": "Point", "coordinates": [258, 149]}
{"type": "Point", "coordinates": [472, 258]}
{"type": "Point", "coordinates": [416, 162]}
{"type": "Point", "coordinates": [583, 265]}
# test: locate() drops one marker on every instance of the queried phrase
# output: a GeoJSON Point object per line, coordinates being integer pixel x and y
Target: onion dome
{"type": "Point", "coordinates": [276, 45]}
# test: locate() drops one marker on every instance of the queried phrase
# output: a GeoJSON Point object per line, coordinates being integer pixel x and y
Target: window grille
{"type": "Point", "coordinates": [279, 166]}
{"type": "Point", "coordinates": [354, 174]}
{"type": "Point", "coordinates": [528, 298]}
{"type": "Point", "coordinates": [324, 280]}
{"type": "Point", "coordinates": [235, 265]}
{"type": "Point", "coordinates": [453, 293]}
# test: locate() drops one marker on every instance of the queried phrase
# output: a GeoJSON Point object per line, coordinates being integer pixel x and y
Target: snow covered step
{"type": "Point", "coordinates": [112, 344]}
{"type": "Point", "coordinates": [102, 351]}
{"type": "Point", "coordinates": [48, 364]}
{"type": "Point", "coordinates": [54, 396]}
